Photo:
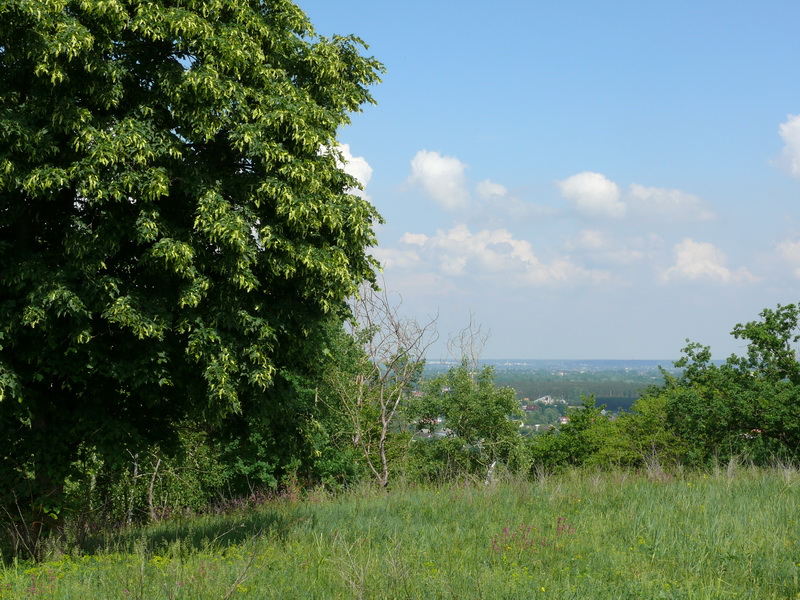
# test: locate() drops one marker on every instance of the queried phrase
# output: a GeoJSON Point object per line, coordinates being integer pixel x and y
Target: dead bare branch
{"type": "Point", "coordinates": [394, 349]}
{"type": "Point", "coordinates": [467, 345]}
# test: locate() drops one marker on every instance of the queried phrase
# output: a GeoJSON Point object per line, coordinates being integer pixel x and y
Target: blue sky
{"type": "Point", "coordinates": [588, 179]}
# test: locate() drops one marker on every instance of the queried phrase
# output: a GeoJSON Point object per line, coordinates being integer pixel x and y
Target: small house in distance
{"type": "Point", "coordinates": [549, 401]}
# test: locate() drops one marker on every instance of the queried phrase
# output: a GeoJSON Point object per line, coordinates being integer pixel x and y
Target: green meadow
{"type": "Point", "coordinates": [730, 532]}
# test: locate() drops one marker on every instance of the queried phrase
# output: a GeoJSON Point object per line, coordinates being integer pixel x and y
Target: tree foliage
{"type": "Point", "coordinates": [747, 406]}
{"type": "Point", "coordinates": [175, 224]}
{"type": "Point", "coordinates": [480, 426]}
{"type": "Point", "coordinates": [579, 441]}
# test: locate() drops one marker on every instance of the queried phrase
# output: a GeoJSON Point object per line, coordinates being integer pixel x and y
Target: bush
{"type": "Point", "coordinates": [480, 424]}
{"type": "Point", "coordinates": [746, 407]}
{"type": "Point", "coordinates": [575, 443]}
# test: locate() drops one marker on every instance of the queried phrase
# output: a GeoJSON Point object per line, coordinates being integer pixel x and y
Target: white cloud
{"type": "Point", "coordinates": [498, 206]}
{"type": "Point", "coordinates": [494, 254]}
{"type": "Point", "coordinates": [396, 258]}
{"type": "Point", "coordinates": [488, 189]}
{"type": "Point", "coordinates": [790, 133]}
{"type": "Point", "coordinates": [417, 239]}
{"type": "Point", "coordinates": [602, 248]}
{"type": "Point", "coordinates": [592, 239]}
{"type": "Point", "coordinates": [664, 204]}
{"type": "Point", "coordinates": [701, 261]}
{"type": "Point", "coordinates": [593, 195]}
{"type": "Point", "coordinates": [442, 178]}
{"type": "Point", "coordinates": [790, 252]}
{"type": "Point", "coordinates": [355, 166]}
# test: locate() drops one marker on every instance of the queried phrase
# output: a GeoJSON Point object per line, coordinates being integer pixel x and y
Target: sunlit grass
{"type": "Point", "coordinates": [732, 533]}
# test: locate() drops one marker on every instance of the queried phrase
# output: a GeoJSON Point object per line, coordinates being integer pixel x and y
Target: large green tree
{"type": "Point", "coordinates": [175, 222]}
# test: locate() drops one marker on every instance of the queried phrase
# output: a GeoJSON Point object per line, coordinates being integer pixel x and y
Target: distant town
{"type": "Point", "coordinates": [548, 389]}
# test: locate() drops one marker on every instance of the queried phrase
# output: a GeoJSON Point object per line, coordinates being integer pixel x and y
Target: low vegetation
{"type": "Point", "coordinates": [728, 532]}
{"type": "Point", "coordinates": [456, 425]}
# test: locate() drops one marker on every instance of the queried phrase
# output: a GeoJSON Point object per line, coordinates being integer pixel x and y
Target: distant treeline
{"type": "Point", "coordinates": [617, 384]}
{"type": "Point", "coordinates": [617, 389]}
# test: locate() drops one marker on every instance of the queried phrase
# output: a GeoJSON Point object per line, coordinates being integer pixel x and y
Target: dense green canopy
{"type": "Point", "coordinates": [174, 218]}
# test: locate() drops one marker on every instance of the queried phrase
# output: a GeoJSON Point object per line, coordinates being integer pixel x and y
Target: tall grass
{"type": "Point", "coordinates": [729, 533]}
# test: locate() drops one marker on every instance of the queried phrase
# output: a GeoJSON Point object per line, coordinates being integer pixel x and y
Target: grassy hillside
{"type": "Point", "coordinates": [732, 533]}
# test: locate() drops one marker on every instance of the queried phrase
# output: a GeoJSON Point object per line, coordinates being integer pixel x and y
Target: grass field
{"type": "Point", "coordinates": [731, 533]}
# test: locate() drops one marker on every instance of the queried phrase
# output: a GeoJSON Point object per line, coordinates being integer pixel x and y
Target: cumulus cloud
{"type": "Point", "coordinates": [493, 254]}
{"type": "Point", "coordinates": [488, 189]}
{"type": "Point", "coordinates": [790, 134]}
{"type": "Point", "coordinates": [667, 205]}
{"type": "Point", "coordinates": [701, 261]}
{"type": "Point", "coordinates": [593, 195]}
{"type": "Point", "coordinates": [417, 239]}
{"type": "Point", "coordinates": [442, 178]}
{"type": "Point", "coordinates": [355, 166]}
